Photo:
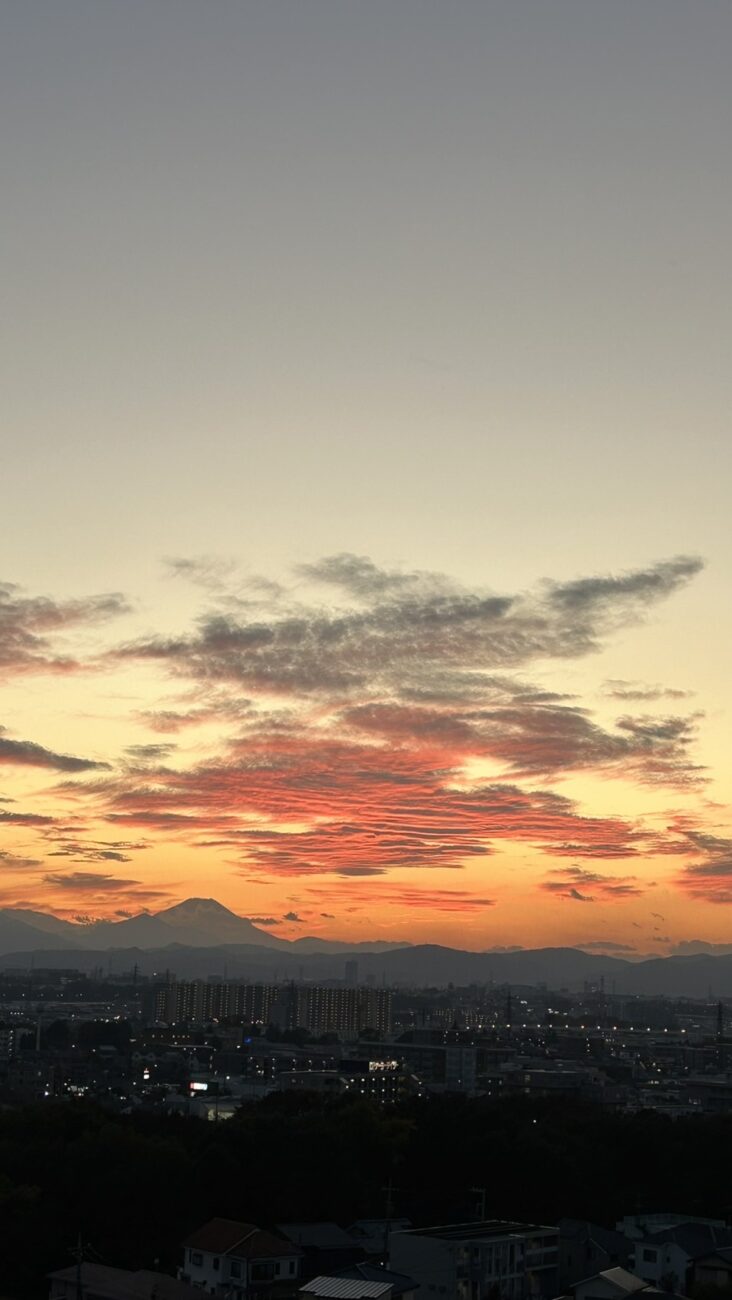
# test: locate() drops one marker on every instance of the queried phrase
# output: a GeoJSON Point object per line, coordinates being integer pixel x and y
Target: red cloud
{"type": "Point", "coordinates": [388, 699]}
{"type": "Point", "coordinates": [583, 886]}
{"type": "Point", "coordinates": [297, 805]}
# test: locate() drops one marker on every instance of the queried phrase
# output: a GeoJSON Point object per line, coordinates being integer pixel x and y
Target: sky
{"type": "Point", "coordinates": [366, 464]}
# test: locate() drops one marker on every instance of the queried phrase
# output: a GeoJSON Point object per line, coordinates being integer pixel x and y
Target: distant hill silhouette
{"type": "Point", "coordinates": [195, 923]}
{"type": "Point", "coordinates": [200, 937]}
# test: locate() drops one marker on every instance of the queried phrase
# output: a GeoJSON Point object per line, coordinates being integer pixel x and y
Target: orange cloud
{"type": "Point", "coordinates": [336, 734]}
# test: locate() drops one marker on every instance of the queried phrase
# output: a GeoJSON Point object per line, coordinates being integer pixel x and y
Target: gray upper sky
{"type": "Point", "coordinates": [445, 283]}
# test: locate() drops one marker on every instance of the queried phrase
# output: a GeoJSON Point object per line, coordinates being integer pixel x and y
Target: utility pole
{"type": "Point", "coordinates": [480, 1192]}
{"type": "Point", "coordinates": [77, 1252]}
{"type": "Point", "coordinates": [388, 1212]}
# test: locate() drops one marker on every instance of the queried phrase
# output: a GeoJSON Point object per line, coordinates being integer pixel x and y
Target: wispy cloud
{"type": "Point", "coordinates": [710, 876]}
{"type": "Point", "coordinates": [89, 850]}
{"type": "Point", "coordinates": [32, 628]}
{"type": "Point", "coordinates": [16, 861]}
{"type": "Point", "coordinates": [87, 880]}
{"type": "Point", "coordinates": [405, 627]}
{"type": "Point", "coordinates": [208, 571]}
{"type": "Point", "coordinates": [624, 595]}
{"type": "Point", "coordinates": [13, 819]}
{"type": "Point", "coordinates": [26, 753]}
{"type": "Point", "coordinates": [422, 898]}
{"type": "Point", "coordinates": [415, 659]}
{"type": "Point", "coordinates": [637, 692]}
{"type": "Point", "coordinates": [583, 886]}
{"type": "Point", "coordinates": [150, 753]}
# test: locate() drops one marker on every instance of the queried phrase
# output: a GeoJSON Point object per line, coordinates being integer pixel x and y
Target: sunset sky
{"type": "Point", "coordinates": [366, 466]}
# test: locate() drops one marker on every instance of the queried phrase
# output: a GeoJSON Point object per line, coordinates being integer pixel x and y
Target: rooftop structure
{"type": "Point", "coordinates": [345, 1288]}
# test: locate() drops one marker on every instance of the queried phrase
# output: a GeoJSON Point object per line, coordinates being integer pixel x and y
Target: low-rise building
{"type": "Point", "coordinates": [714, 1269]}
{"type": "Point", "coordinates": [325, 1247]}
{"type": "Point", "coordinates": [666, 1258]}
{"type": "Point", "coordinates": [587, 1248]}
{"type": "Point", "coordinates": [472, 1261]}
{"type": "Point", "coordinates": [240, 1261]}
{"type": "Point", "coordinates": [373, 1235]}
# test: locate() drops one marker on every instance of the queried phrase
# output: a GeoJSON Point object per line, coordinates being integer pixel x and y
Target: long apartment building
{"type": "Point", "coordinates": [318, 1009]}
{"type": "Point", "coordinates": [323, 1010]}
{"type": "Point", "coordinates": [197, 1001]}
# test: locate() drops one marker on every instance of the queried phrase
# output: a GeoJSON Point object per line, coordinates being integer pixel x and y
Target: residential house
{"type": "Point", "coordinates": [714, 1269]}
{"type": "Point", "coordinates": [325, 1247]}
{"type": "Point", "coordinates": [586, 1249]}
{"type": "Point", "coordinates": [238, 1261]}
{"type": "Point", "coordinates": [666, 1258]}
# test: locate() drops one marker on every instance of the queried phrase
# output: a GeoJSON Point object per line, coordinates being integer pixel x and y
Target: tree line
{"type": "Point", "coordinates": [135, 1185]}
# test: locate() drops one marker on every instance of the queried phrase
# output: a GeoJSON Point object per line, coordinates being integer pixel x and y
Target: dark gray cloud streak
{"type": "Point", "coordinates": [573, 882]}
{"type": "Point", "coordinates": [636, 692]}
{"type": "Point", "coordinates": [87, 880]}
{"type": "Point", "coordinates": [31, 625]}
{"type": "Point", "coordinates": [710, 877]}
{"type": "Point", "coordinates": [26, 753]}
{"type": "Point", "coordinates": [586, 596]}
{"type": "Point", "coordinates": [426, 660]}
{"type": "Point", "coordinates": [407, 628]}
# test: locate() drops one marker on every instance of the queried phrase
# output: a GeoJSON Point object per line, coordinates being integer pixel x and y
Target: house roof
{"type": "Point", "coordinates": [370, 1233]}
{"type": "Point", "coordinates": [400, 1283]}
{"type": "Point", "coordinates": [372, 1227]}
{"type": "Point", "coordinates": [626, 1283]}
{"type": "Point", "coordinates": [722, 1252]}
{"type": "Point", "coordinates": [475, 1231]}
{"type": "Point", "coordinates": [318, 1236]}
{"type": "Point", "coordinates": [608, 1239]}
{"type": "Point", "coordinates": [693, 1238]}
{"type": "Point", "coordinates": [345, 1288]}
{"type": "Point", "coordinates": [264, 1245]}
{"type": "Point", "coordinates": [242, 1240]}
{"type": "Point", "coordinates": [121, 1284]}
{"type": "Point", "coordinates": [621, 1277]}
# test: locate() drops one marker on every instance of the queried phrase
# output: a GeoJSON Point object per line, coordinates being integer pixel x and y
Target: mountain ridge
{"type": "Point", "coordinates": [229, 945]}
{"type": "Point", "coordinates": [417, 967]}
{"type": "Point", "coordinates": [195, 922]}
